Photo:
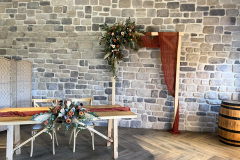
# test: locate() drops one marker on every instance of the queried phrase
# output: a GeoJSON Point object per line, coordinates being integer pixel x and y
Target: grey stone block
{"type": "Point", "coordinates": [105, 2]}
{"type": "Point", "coordinates": [154, 93]}
{"type": "Point", "coordinates": [66, 21]}
{"type": "Point", "coordinates": [82, 2]}
{"type": "Point", "coordinates": [211, 95]}
{"type": "Point", "coordinates": [150, 100]}
{"type": "Point", "coordinates": [148, 4]}
{"type": "Point", "coordinates": [80, 28]}
{"type": "Point", "coordinates": [227, 21]}
{"type": "Point", "coordinates": [100, 98]}
{"type": "Point", "coordinates": [208, 29]}
{"type": "Point", "coordinates": [190, 99]}
{"type": "Point", "coordinates": [152, 119]}
{"type": "Point", "coordinates": [202, 8]}
{"type": "Point", "coordinates": [47, 74]}
{"type": "Point", "coordinates": [203, 107]}
{"type": "Point", "coordinates": [81, 86]}
{"type": "Point", "coordinates": [187, 69]}
{"type": "Point", "coordinates": [210, 20]}
{"type": "Point", "coordinates": [214, 60]}
{"type": "Point", "coordinates": [52, 86]}
{"type": "Point", "coordinates": [128, 13]}
{"type": "Point", "coordinates": [187, 7]}
{"type": "Point", "coordinates": [201, 113]}
{"type": "Point", "coordinates": [163, 94]}
{"type": "Point", "coordinates": [232, 12]}
{"type": "Point", "coordinates": [215, 109]}
{"type": "Point", "coordinates": [136, 124]}
{"type": "Point", "coordinates": [110, 20]}
{"type": "Point", "coordinates": [217, 12]}
{"type": "Point", "coordinates": [224, 68]}
{"type": "Point", "coordinates": [52, 22]}
{"type": "Point", "coordinates": [126, 84]}
{"type": "Point", "coordinates": [50, 40]}
{"type": "Point", "coordinates": [44, 3]}
{"type": "Point", "coordinates": [157, 21]}
{"type": "Point", "coordinates": [124, 3]}
{"type": "Point", "coordinates": [95, 27]}
{"type": "Point", "coordinates": [97, 19]}
{"type": "Point", "coordinates": [163, 13]}
{"type": "Point", "coordinates": [74, 74]}
{"type": "Point", "coordinates": [33, 5]}
{"type": "Point", "coordinates": [137, 3]}
{"type": "Point", "coordinates": [213, 38]}
{"type": "Point", "coordinates": [88, 9]}
{"type": "Point", "coordinates": [11, 10]}
{"type": "Point", "coordinates": [173, 5]}
{"type": "Point", "coordinates": [80, 14]}
{"type": "Point", "coordinates": [69, 86]}
{"type": "Point", "coordinates": [209, 67]}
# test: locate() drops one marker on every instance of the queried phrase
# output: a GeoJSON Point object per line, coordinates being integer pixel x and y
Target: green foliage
{"type": "Point", "coordinates": [117, 37]}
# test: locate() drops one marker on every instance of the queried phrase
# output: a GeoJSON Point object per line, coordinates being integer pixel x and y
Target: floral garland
{"type": "Point", "coordinates": [117, 37]}
{"type": "Point", "coordinates": [66, 113]}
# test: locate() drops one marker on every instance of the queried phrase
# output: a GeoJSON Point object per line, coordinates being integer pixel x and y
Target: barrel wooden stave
{"type": "Point", "coordinates": [229, 123]}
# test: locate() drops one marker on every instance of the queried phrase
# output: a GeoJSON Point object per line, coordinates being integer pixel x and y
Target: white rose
{"type": "Point", "coordinates": [113, 46]}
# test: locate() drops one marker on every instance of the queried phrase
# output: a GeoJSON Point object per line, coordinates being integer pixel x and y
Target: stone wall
{"type": "Point", "coordinates": [61, 38]}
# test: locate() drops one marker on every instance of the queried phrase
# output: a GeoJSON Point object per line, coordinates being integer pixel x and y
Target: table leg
{"type": "Point", "coordinates": [115, 139]}
{"type": "Point", "coordinates": [109, 131]}
{"type": "Point", "coordinates": [17, 138]}
{"type": "Point", "coordinates": [9, 150]}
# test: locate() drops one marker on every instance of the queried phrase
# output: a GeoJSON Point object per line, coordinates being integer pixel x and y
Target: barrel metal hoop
{"type": "Point", "coordinates": [235, 145]}
{"type": "Point", "coordinates": [229, 117]}
{"type": "Point", "coordinates": [228, 130]}
{"type": "Point", "coordinates": [232, 108]}
{"type": "Point", "coordinates": [231, 104]}
{"type": "Point", "coordinates": [234, 141]}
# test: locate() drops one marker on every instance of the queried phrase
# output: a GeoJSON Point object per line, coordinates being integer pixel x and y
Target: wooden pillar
{"type": "Point", "coordinates": [177, 75]}
{"type": "Point", "coordinates": [177, 71]}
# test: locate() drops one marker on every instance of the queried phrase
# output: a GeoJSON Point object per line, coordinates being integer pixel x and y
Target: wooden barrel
{"type": "Point", "coordinates": [229, 123]}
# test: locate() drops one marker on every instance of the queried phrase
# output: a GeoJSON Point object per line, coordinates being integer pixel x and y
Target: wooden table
{"type": "Point", "coordinates": [112, 118]}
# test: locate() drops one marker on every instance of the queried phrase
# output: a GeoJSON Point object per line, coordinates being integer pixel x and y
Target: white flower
{"type": "Point", "coordinates": [113, 46]}
{"type": "Point", "coordinates": [130, 30]}
{"type": "Point", "coordinates": [122, 33]}
{"type": "Point", "coordinates": [112, 50]}
{"type": "Point", "coordinates": [68, 104]}
{"type": "Point", "coordinates": [62, 110]}
{"type": "Point", "coordinates": [112, 34]}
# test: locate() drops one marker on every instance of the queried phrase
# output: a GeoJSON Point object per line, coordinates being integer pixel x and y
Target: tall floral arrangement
{"type": "Point", "coordinates": [117, 37]}
{"type": "Point", "coordinates": [66, 113]}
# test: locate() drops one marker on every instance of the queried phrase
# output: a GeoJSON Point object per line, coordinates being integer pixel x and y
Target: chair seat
{"type": "Point", "coordinates": [38, 126]}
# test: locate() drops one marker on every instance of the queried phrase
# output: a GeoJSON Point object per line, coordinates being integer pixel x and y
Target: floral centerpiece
{"type": "Point", "coordinates": [116, 38]}
{"type": "Point", "coordinates": [66, 113]}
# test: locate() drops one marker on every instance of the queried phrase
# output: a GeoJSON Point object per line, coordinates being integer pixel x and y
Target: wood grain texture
{"type": "Point", "coordinates": [26, 120]}
{"type": "Point", "coordinates": [134, 144]}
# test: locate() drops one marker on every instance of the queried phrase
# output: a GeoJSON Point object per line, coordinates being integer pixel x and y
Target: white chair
{"type": "Point", "coordinates": [88, 123]}
{"type": "Point", "coordinates": [39, 127]}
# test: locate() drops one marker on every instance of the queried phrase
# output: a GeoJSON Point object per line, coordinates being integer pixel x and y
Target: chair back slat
{"type": "Point", "coordinates": [36, 101]}
{"type": "Point", "coordinates": [75, 100]}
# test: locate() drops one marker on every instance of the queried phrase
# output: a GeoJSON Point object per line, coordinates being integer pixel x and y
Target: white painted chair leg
{"type": "Point", "coordinates": [56, 136]}
{"type": "Point", "coordinates": [74, 139]}
{"type": "Point", "coordinates": [71, 137]}
{"type": "Point", "coordinates": [31, 148]}
{"type": "Point", "coordinates": [92, 133]}
{"type": "Point", "coordinates": [53, 143]}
